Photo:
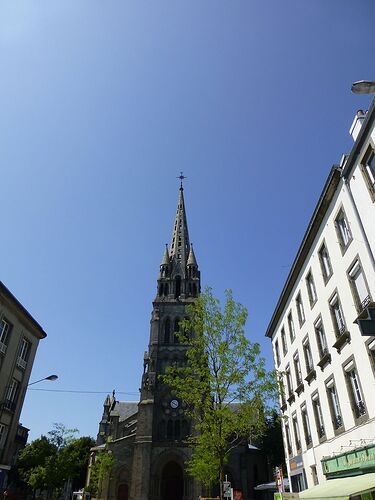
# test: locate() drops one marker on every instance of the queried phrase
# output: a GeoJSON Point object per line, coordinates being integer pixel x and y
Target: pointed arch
{"type": "Point", "coordinates": [167, 331]}
{"type": "Point", "coordinates": [176, 330]}
{"type": "Point", "coordinates": [177, 286]}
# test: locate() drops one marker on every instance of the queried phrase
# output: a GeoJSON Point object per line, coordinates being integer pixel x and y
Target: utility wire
{"type": "Point", "coordinates": [83, 392]}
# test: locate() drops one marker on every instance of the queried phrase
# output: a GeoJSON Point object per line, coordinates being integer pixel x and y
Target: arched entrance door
{"type": "Point", "coordinates": [123, 492]}
{"type": "Point", "coordinates": [172, 482]}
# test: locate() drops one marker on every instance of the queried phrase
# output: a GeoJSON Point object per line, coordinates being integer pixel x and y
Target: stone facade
{"type": "Point", "coordinates": [19, 339]}
{"type": "Point", "coordinates": [148, 438]}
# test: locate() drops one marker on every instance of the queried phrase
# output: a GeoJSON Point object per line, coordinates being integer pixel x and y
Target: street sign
{"type": "Point", "coordinates": [227, 489]}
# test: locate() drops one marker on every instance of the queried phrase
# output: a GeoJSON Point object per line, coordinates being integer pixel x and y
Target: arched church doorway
{"type": "Point", "coordinates": [172, 482]}
{"type": "Point", "coordinates": [123, 492]}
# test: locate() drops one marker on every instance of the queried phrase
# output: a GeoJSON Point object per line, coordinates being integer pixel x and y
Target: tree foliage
{"type": "Point", "coordinates": [48, 462]}
{"type": "Point", "coordinates": [225, 385]}
{"type": "Point", "coordinates": [100, 470]}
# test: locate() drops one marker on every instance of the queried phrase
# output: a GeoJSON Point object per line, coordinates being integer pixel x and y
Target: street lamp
{"type": "Point", "coordinates": [50, 377]}
{"type": "Point", "coordinates": [363, 87]}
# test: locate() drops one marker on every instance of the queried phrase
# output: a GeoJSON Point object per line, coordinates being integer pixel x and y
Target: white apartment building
{"type": "Point", "coordinates": [323, 327]}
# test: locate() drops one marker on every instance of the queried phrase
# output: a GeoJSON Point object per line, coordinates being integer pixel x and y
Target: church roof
{"type": "Point", "coordinates": [125, 409]}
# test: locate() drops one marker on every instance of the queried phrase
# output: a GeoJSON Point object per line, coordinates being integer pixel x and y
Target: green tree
{"type": "Point", "coordinates": [100, 470]}
{"type": "Point", "coordinates": [225, 385]}
{"type": "Point", "coordinates": [48, 462]}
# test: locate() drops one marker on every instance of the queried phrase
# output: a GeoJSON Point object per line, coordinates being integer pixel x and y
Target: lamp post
{"type": "Point", "coordinates": [50, 377]}
{"type": "Point", "coordinates": [363, 87]}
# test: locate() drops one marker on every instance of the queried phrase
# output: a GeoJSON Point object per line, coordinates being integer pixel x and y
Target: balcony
{"type": "Point", "coordinates": [3, 348]}
{"type": "Point", "coordinates": [343, 337]}
{"type": "Point", "coordinates": [325, 359]}
{"type": "Point", "coordinates": [359, 409]}
{"type": "Point", "coordinates": [311, 375]}
{"type": "Point", "coordinates": [366, 319]}
{"type": "Point", "coordinates": [321, 431]}
{"type": "Point", "coordinates": [337, 422]}
{"type": "Point", "coordinates": [21, 363]}
{"type": "Point", "coordinates": [9, 405]}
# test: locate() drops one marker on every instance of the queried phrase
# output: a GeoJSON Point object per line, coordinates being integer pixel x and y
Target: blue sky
{"type": "Point", "coordinates": [102, 104]}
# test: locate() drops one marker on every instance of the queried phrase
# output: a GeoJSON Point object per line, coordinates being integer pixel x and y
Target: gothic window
{"type": "Point", "coordinates": [166, 289]}
{"type": "Point", "coordinates": [167, 330]}
{"type": "Point", "coordinates": [194, 290]}
{"type": "Point", "coordinates": [177, 430]}
{"type": "Point", "coordinates": [178, 286]}
{"type": "Point", "coordinates": [170, 429]}
{"type": "Point", "coordinates": [176, 330]}
{"type": "Point", "coordinates": [160, 289]}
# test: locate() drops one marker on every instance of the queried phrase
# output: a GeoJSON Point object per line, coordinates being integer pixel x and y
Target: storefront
{"type": "Point", "coordinates": [297, 474]}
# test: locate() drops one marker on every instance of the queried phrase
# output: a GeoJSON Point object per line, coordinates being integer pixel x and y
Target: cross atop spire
{"type": "Point", "coordinates": [181, 177]}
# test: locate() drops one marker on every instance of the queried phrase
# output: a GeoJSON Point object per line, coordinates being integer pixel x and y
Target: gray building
{"type": "Point", "coordinates": [19, 339]}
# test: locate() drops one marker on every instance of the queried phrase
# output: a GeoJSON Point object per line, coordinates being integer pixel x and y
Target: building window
{"type": "Point", "coordinates": [11, 396]}
{"type": "Point", "coordinates": [296, 433]}
{"type": "Point", "coordinates": [292, 332]}
{"type": "Point", "coordinates": [283, 341]}
{"type": "Point", "coordinates": [3, 435]}
{"type": "Point", "coordinates": [289, 381]}
{"type": "Point", "coordinates": [314, 475]}
{"type": "Point", "coordinates": [368, 169]}
{"type": "Point", "coordinates": [321, 338]}
{"type": "Point", "coordinates": [277, 352]}
{"type": "Point", "coordinates": [297, 369]}
{"type": "Point", "coordinates": [306, 425]}
{"type": "Point", "coordinates": [337, 315]}
{"type": "Point", "coordinates": [334, 404]}
{"type": "Point", "coordinates": [310, 284]}
{"type": "Point", "coordinates": [23, 353]}
{"type": "Point", "coordinates": [343, 231]}
{"type": "Point", "coordinates": [355, 391]}
{"type": "Point", "coordinates": [4, 335]}
{"type": "Point", "coordinates": [318, 416]}
{"type": "Point", "coordinates": [300, 311]}
{"type": "Point", "coordinates": [358, 286]}
{"type": "Point", "coordinates": [325, 263]}
{"type": "Point", "coordinates": [288, 440]}
{"type": "Point", "coordinates": [308, 356]}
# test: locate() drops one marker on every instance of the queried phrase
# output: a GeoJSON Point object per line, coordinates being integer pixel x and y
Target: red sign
{"type": "Point", "coordinates": [237, 495]}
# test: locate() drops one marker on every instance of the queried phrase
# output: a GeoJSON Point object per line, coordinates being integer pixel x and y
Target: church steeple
{"type": "Point", "coordinates": [179, 277]}
{"type": "Point", "coordinates": [179, 250]}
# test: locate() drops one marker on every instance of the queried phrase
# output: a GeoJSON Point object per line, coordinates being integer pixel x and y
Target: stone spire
{"type": "Point", "coordinates": [179, 249]}
{"type": "Point", "coordinates": [165, 260]}
{"type": "Point", "coordinates": [192, 261]}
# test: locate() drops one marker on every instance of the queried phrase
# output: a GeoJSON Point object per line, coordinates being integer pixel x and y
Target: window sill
{"type": "Point", "coordinates": [324, 361]}
{"type": "Point", "coordinates": [341, 341]}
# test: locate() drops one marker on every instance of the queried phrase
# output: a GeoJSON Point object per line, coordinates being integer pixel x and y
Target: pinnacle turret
{"type": "Point", "coordinates": [192, 261]}
{"type": "Point", "coordinates": [165, 260]}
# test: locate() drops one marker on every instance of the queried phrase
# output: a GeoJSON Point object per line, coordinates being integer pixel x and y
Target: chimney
{"type": "Point", "coordinates": [357, 124]}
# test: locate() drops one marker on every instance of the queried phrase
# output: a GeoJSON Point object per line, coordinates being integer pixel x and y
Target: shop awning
{"type": "Point", "coordinates": [342, 488]}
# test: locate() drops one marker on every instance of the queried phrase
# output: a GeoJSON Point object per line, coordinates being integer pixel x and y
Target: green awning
{"type": "Point", "coordinates": [341, 488]}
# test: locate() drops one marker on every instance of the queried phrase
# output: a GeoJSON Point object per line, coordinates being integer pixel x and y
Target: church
{"type": "Point", "coordinates": [148, 438]}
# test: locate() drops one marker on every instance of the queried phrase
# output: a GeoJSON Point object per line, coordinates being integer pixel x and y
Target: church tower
{"type": "Point", "coordinates": [160, 451]}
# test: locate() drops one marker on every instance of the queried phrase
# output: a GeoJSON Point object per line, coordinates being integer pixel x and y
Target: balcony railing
{"type": "Point", "coordinates": [365, 302]}
{"type": "Point", "coordinates": [3, 348]}
{"type": "Point", "coordinates": [321, 431]}
{"type": "Point", "coordinates": [21, 363]}
{"type": "Point", "coordinates": [337, 421]}
{"type": "Point", "coordinates": [9, 405]}
{"type": "Point", "coordinates": [359, 409]}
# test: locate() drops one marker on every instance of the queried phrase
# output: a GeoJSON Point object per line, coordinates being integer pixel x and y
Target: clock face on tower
{"type": "Point", "coordinates": [174, 404]}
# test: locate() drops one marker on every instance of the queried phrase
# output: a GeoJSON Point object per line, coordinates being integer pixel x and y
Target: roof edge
{"type": "Point", "coordinates": [8, 294]}
{"type": "Point", "coordinates": [361, 139]}
{"type": "Point", "coordinates": [325, 199]}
